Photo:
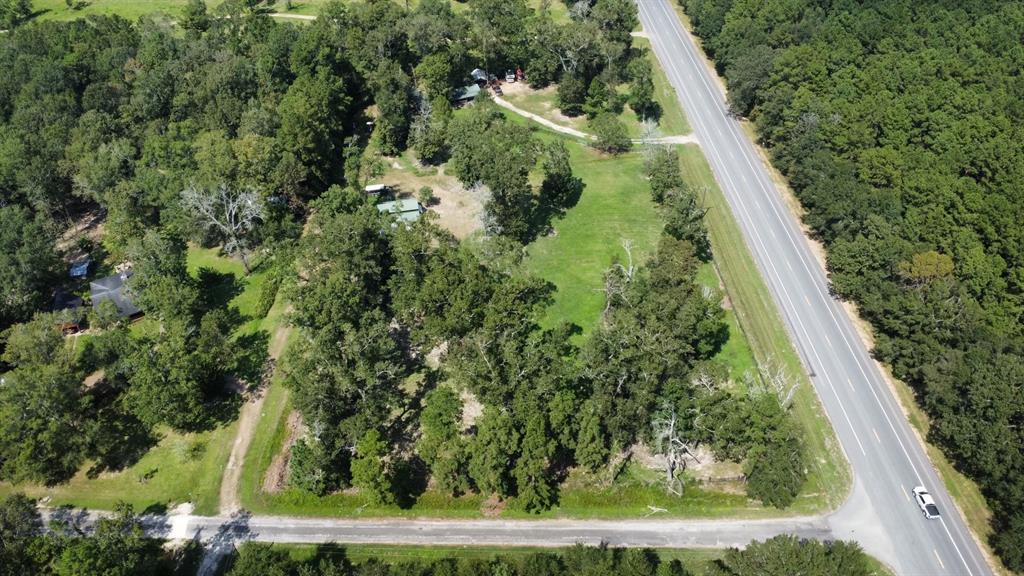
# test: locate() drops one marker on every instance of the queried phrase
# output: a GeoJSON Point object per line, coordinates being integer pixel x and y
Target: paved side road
{"type": "Point", "coordinates": [240, 527]}
{"type": "Point", "coordinates": [221, 534]}
{"type": "Point", "coordinates": [887, 457]}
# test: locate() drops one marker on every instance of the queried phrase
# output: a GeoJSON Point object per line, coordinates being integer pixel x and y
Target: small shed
{"type": "Point", "coordinates": [376, 189]}
{"type": "Point", "coordinates": [406, 210]}
{"type": "Point", "coordinates": [465, 94]}
{"type": "Point", "coordinates": [80, 268]}
{"type": "Point", "coordinates": [479, 76]}
{"type": "Point", "coordinates": [114, 289]}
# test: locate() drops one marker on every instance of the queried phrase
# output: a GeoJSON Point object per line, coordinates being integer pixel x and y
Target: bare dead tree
{"type": "Point", "coordinates": [230, 213]}
{"type": "Point", "coordinates": [704, 380]}
{"type": "Point", "coordinates": [617, 279]}
{"type": "Point", "coordinates": [649, 134]}
{"type": "Point", "coordinates": [773, 379]}
{"type": "Point", "coordinates": [579, 10]}
{"type": "Point", "coordinates": [421, 121]}
{"type": "Point", "coordinates": [483, 194]}
{"type": "Point", "coordinates": [669, 442]}
{"type": "Point", "coordinates": [571, 44]}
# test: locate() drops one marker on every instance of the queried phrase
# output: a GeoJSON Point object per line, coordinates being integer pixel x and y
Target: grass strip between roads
{"type": "Point", "coordinates": [829, 476]}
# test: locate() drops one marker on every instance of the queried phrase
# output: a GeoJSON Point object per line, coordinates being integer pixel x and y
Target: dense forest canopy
{"type": "Point", "coordinates": [900, 125]}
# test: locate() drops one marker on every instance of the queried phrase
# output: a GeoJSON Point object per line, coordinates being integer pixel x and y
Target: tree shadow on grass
{"type": "Point", "coordinates": [155, 509]}
{"type": "Point", "coordinates": [217, 289]}
{"type": "Point", "coordinates": [652, 112]}
{"type": "Point", "coordinates": [251, 360]}
{"type": "Point", "coordinates": [221, 411]}
{"type": "Point", "coordinates": [409, 481]}
{"type": "Point", "coordinates": [119, 439]}
{"type": "Point", "coordinates": [557, 196]}
{"type": "Point", "coordinates": [331, 554]}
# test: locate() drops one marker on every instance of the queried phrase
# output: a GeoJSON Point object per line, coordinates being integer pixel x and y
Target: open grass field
{"type": "Point", "coordinates": [673, 119]}
{"type": "Point", "coordinates": [180, 467]}
{"type": "Point", "coordinates": [615, 207]}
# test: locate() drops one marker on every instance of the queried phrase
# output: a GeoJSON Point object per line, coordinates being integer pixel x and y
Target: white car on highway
{"type": "Point", "coordinates": [925, 502]}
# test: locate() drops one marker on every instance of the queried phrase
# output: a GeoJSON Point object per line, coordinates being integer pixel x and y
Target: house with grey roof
{"type": "Point", "coordinates": [114, 289]}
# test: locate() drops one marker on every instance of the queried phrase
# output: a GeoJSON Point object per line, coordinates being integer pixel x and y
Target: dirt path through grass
{"type": "Point", "coordinates": [248, 417]}
{"type": "Point", "coordinates": [679, 139]}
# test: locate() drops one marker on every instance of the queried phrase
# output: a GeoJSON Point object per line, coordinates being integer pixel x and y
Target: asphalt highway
{"type": "Point", "coordinates": [887, 457]}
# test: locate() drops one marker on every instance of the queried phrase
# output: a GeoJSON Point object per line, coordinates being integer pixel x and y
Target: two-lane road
{"type": "Point", "coordinates": [887, 458]}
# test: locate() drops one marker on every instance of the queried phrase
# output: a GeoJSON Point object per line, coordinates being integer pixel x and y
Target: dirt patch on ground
{"type": "Point", "coordinates": [458, 209]}
{"type": "Point", "coordinates": [280, 338]}
{"type": "Point", "coordinates": [492, 507]}
{"type": "Point", "coordinates": [88, 227]}
{"type": "Point", "coordinates": [704, 468]}
{"type": "Point", "coordinates": [433, 358]}
{"type": "Point", "coordinates": [93, 379]}
{"type": "Point", "coordinates": [249, 416]}
{"type": "Point", "coordinates": [471, 409]}
{"type": "Point", "coordinates": [276, 477]}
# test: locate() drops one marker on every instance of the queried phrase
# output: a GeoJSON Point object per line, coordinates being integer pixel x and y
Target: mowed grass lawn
{"type": "Point", "coordinates": [615, 207]}
{"type": "Point", "coordinates": [180, 467]}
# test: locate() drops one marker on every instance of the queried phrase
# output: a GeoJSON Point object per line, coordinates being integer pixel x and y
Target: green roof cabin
{"type": "Point", "coordinates": [405, 210]}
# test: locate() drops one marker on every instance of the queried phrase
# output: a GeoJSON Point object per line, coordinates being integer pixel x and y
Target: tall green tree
{"type": "Point", "coordinates": [28, 264]}
{"type": "Point", "coordinates": [314, 114]}
{"type": "Point", "coordinates": [441, 445]}
{"type": "Point", "coordinates": [534, 485]}
{"type": "Point", "coordinates": [493, 452]}
{"type": "Point", "coordinates": [789, 554]}
{"type": "Point", "coordinates": [610, 133]}
{"type": "Point", "coordinates": [160, 283]}
{"type": "Point", "coordinates": [14, 12]}
{"type": "Point", "coordinates": [368, 471]}
{"type": "Point", "coordinates": [20, 531]}
{"type": "Point", "coordinates": [591, 447]}
{"type": "Point", "coordinates": [41, 423]}
{"type": "Point", "coordinates": [393, 93]}
{"type": "Point", "coordinates": [118, 547]}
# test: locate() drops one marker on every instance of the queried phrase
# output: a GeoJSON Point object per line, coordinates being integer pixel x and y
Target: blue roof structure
{"type": "Point", "coordinates": [80, 269]}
